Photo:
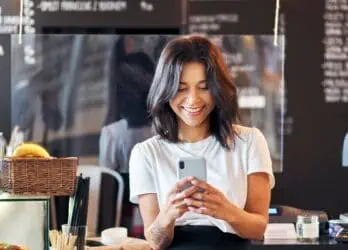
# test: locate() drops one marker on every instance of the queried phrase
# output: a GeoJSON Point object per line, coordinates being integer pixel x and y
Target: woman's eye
{"type": "Point", "coordinates": [181, 89]}
{"type": "Point", "coordinates": [205, 87]}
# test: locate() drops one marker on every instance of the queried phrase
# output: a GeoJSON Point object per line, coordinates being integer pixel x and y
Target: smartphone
{"type": "Point", "coordinates": [191, 166]}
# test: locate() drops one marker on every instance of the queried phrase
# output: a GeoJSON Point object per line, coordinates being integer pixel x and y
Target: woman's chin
{"type": "Point", "coordinates": [193, 123]}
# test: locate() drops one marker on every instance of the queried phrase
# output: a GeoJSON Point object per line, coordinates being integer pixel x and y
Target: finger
{"type": "Point", "coordinates": [181, 207]}
{"type": "Point", "coordinates": [204, 185]}
{"type": "Point", "coordinates": [180, 184]}
{"type": "Point", "coordinates": [188, 192]}
{"type": "Point", "coordinates": [180, 204]}
{"type": "Point", "coordinates": [212, 198]}
{"type": "Point", "coordinates": [182, 210]}
{"type": "Point", "coordinates": [206, 211]}
{"type": "Point", "coordinates": [199, 203]}
{"type": "Point", "coordinates": [184, 194]}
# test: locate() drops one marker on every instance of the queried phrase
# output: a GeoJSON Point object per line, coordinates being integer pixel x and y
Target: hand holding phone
{"type": "Point", "coordinates": [175, 205]}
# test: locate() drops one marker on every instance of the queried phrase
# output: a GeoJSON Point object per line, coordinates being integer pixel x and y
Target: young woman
{"type": "Point", "coordinates": [193, 104]}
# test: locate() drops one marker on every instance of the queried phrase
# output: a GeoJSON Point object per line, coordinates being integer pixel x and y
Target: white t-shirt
{"type": "Point", "coordinates": [153, 169]}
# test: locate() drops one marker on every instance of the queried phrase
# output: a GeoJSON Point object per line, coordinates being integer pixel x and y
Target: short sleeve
{"type": "Point", "coordinates": [259, 157]}
{"type": "Point", "coordinates": [141, 177]}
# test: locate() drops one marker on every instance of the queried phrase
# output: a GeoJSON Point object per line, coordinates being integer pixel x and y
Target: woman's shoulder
{"type": "Point", "coordinates": [246, 134]}
{"type": "Point", "coordinates": [151, 149]}
{"type": "Point", "coordinates": [149, 145]}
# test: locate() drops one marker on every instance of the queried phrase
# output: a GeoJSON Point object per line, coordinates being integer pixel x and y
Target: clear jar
{"type": "Point", "coordinates": [307, 228]}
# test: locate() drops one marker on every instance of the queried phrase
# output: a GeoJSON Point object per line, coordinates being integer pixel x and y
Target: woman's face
{"type": "Point", "coordinates": [193, 102]}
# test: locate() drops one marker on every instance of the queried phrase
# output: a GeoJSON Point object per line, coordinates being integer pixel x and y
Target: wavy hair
{"type": "Point", "coordinates": [165, 86]}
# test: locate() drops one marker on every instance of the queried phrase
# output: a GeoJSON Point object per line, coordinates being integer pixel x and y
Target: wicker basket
{"type": "Point", "coordinates": [33, 176]}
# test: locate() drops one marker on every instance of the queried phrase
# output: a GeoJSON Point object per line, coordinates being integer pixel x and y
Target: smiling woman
{"type": "Point", "coordinates": [194, 101]}
{"type": "Point", "coordinates": [191, 72]}
{"type": "Point", "coordinates": [193, 104]}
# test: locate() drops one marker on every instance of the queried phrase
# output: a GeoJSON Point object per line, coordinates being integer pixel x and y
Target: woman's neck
{"type": "Point", "coordinates": [193, 134]}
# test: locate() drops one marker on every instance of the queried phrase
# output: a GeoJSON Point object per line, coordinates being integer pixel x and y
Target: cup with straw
{"type": "Point", "coordinates": [61, 241]}
{"type": "Point", "coordinates": [78, 209]}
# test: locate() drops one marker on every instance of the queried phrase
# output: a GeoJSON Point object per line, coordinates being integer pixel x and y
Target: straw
{"type": "Point", "coordinates": [61, 241]}
{"type": "Point", "coordinates": [53, 234]}
{"type": "Point", "coordinates": [78, 209]}
{"type": "Point", "coordinates": [75, 203]}
{"type": "Point", "coordinates": [78, 203]}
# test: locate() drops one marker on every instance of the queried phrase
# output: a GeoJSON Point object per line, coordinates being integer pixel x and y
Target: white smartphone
{"type": "Point", "coordinates": [191, 166]}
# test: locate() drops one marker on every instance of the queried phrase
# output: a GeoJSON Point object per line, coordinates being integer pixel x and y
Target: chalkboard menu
{"type": "Point", "coordinates": [232, 17]}
{"type": "Point", "coordinates": [40, 14]}
{"type": "Point", "coordinates": [10, 18]}
{"type": "Point", "coordinates": [335, 58]}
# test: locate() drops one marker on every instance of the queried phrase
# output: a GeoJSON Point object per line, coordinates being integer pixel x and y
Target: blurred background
{"type": "Point", "coordinates": [82, 83]}
{"type": "Point", "coordinates": [80, 75]}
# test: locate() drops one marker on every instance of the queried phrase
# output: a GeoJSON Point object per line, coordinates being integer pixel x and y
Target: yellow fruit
{"type": "Point", "coordinates": [30, 150]}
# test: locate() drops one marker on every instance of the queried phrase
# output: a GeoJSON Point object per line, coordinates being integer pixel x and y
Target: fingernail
{"type": "Point", "coordinates": [194, 182]}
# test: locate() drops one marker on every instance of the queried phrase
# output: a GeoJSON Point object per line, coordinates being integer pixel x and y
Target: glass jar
{"type": "Point", "coordinates": [307, 228]}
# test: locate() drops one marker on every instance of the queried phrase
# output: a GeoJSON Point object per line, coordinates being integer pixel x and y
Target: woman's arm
{"type": "Point", "coordinates": [159, 223]}
{"type": "Point", "coordinates": [252, 221]}
{"type": "Point", "coordinates": [158, 231]}
{"type": "Point", "coordinates": [249, 223]}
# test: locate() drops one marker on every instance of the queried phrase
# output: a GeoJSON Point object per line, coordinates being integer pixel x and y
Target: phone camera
{"type": "Point", "coordinates": [181, 165]}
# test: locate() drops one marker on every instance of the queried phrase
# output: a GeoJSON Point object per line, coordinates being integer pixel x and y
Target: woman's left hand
{"type": "Point", "coordinates": [210, 202]}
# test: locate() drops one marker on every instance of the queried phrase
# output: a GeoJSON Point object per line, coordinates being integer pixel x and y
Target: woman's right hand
{"type": "Point", "coordinates": [176, 206]}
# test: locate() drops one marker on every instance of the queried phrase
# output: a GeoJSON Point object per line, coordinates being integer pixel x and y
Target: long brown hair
{"type": "Point", "coordinates": [166, 83]}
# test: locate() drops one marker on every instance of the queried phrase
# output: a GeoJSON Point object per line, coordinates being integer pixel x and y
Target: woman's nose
{"type": "Point", "coordinates": [192, 97]}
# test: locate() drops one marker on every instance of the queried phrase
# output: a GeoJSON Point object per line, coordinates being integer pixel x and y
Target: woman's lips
{"type": "Point", "coordinates": [193, 111]}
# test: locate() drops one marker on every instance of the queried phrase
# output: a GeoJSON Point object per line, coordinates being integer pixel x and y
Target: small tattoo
{"type": "Point", "coordinates": [159, 235]}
